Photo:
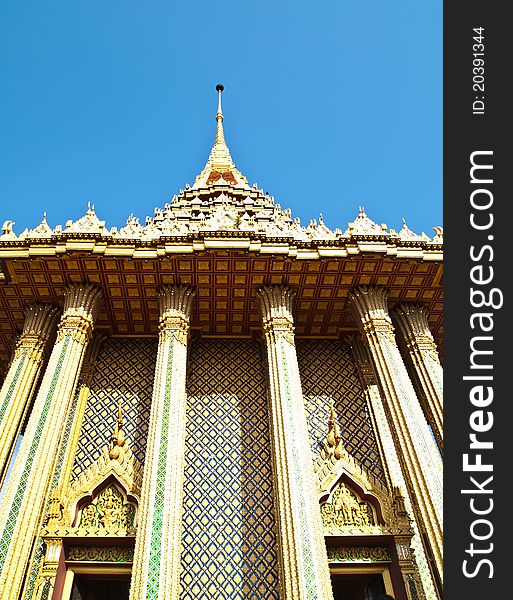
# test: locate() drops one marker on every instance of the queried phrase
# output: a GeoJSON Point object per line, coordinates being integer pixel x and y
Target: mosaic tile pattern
{"type": "Point", "coordinates": [229, 544]}
{"type": "Point", "coordinates": [24, 479]}
{"type": "Point", "coordinates": [8, 395]}
{"type": "Point", "coordinates": [152, 586]}
{"type": "Point", "coordinates": [291, 417]}
{"type": "Point", "coordinates": [125, 370]}
{"type": "Point", "coordinates": [40, 545]}
{"type": "Point", "coordinates": [328, 373]}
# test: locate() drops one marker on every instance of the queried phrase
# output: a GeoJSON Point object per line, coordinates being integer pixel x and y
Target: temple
{"type": "Point", "coordinates": [220, 403]}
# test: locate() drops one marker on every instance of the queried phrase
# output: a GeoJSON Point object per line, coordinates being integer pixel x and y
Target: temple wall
{"type": "Point", "coordinates": [125, 370]}
{"type": "Point", "coordinates": [229, 544]}
{"type": "Point", "coordinates": [328, 374]}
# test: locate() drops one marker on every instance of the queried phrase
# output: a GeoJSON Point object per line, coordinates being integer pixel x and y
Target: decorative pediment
{"type": "Point", "coordinates": [110, 509]}
{"type": "Point", "coordinates": [345, 508]}
{"type": "Point", "coordinates": [353, 502]}
{"type": "Point", "coordinates": [104, 497]}
{"type": "Point", "coordinates": [357, 504]}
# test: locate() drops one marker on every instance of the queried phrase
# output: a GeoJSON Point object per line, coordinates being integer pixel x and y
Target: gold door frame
{"type": "Point", "coordinates": [91, 569]}
{"type": "Point", "coordinates": [362, 569]}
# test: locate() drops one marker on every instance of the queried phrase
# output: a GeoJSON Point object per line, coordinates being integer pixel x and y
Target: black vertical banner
{"type": "Point", "coordinates": [478, 348]}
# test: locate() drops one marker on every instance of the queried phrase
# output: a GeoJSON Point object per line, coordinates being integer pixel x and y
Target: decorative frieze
{"type": "Point", "coordinates": [359, 554]}
{"type": "Point", "coordinates": [104, 554]}
{"type": "Point", "coordinates": [25, 495]}
{"type": "Point", "coordinates": [303, 560]}
{"type": "Point", "coordinates": [420, 345]}
{"type": "Point", "coordinates": [421, 461]}
{"type": "Point", "coordinates": [156, 572]}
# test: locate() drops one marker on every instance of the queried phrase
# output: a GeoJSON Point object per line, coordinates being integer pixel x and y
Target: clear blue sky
{"type": "Point", "coordinates": [328, 105]}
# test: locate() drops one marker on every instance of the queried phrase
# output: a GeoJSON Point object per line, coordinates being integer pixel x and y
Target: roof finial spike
{"type": "Point", "coordinates": [219, 118]}
{"type": "Point", "coordinates": [219, 88]}
{"type": "Point", "coordinates": [220, 167]}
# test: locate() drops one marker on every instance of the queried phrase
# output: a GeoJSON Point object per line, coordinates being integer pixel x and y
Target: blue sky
{"type": "Point", "coordinates": [328, 105]}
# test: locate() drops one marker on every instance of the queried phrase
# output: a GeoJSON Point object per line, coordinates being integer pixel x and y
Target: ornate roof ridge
{"type": "Point", "coordinates": [226, 213]}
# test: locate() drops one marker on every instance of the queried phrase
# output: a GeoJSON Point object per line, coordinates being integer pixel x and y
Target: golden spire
{"type": "Point", "coordinates": [220, 167]}
{"type": "Point", "coordinates": [219, 118]}
{"type": "Point", "coordinates": [118, 437]}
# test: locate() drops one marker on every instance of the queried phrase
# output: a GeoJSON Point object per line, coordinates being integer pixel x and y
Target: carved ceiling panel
{"type": "Point", "coordinates": [226, 282]}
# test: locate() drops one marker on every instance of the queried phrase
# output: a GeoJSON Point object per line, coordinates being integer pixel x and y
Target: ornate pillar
{"type": "Point", "coordinates": [413, 324]}
{"type": "Point", "coordinates": [23, 375]}
{"type": "Point", "coordinates": [156, 567]}
{"type": "Point", "coordinates": [23, 503]}
{"type": "Point", "coordinates": [421, 460]}
{"type": "Point", "coordinates": [46, 554]}
{"type": "Point", "coordinates": [303, 559]}
{"type": "Point", "coordinates": [391, 462]}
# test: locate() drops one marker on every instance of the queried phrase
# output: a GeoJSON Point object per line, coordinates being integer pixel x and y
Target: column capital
{"type": "Point", "coordinates": [38, 327]}
{"type": "Point", "coordinates": [82, 303]}
{"type": "Point", "coordinates": [412, 320]}
{"type": "Point", "coordinates": [175, 306]}
{"type": "Point", "coordinates": [370, 308]}
{"type": "Point", "coordinates": [275, 303]}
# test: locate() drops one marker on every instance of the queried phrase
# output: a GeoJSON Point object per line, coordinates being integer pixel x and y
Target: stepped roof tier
{"type": "Point", "coordinates": [228, 238]}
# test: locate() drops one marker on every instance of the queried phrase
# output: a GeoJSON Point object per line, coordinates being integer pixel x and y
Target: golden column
{"type": "Point", "coordinates": [391, 463]}
{"type": "Point", "coordinates": [45, 557]}
{"type": "Point", "coordinates": [422, 462]}
{"type": "Point", "coordinates": [156, 567]}
{"type": "Point", "coordinates": [23, 502]}
{"type": "Point", "coordinates": [414, 327]}
{"type": "Point", "coordinates": [23, 375]}
{"type": "Point", "coordinates": [303, 559]}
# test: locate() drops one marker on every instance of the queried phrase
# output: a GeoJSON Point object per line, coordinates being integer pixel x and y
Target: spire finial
{"type": "Point", "coordinates": [219, 88]}
{"type": "Point", "coordinates": [219, 118]}
{"type": "Point", "coordinates": [220, 167]}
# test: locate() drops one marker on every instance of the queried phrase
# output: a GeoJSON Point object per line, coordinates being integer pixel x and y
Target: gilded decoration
{"type": "Point", "coordinates": [346, 512]}
{"type": "Point", "coordinates": [345, 508]}
{"type": "Point", "coordinates": [109, 554]}
{"type": "Point", "coordinates": [220, 213]}
{"type": "Point", "coordinates": [359, 554]}
{"type": "Point", "coordinates": [108, 510]}
{"type": "Point", "coordinates": [97, 502]}
{"type": "Point", "coordinates": [225, 238]}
